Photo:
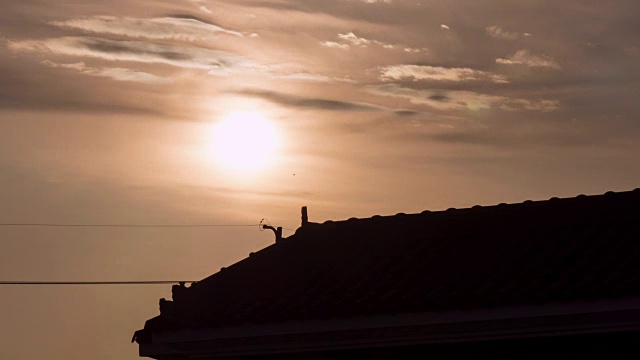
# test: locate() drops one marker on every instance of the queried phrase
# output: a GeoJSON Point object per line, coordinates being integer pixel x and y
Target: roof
{"type": "Point", "coordinates": [584, 248]}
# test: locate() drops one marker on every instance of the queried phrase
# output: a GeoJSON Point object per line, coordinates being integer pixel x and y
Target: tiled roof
{"type": "Point", "coordinates": [558, 250]}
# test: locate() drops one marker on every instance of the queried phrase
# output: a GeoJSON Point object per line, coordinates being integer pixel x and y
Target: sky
{"type": "Point", "coordinates": [121, 112]}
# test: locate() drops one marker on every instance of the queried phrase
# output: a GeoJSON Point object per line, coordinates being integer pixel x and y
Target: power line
{"type": "Point", "coordinates": [127, 225]}
{"type": "Point", "coordinates": [158, 282]}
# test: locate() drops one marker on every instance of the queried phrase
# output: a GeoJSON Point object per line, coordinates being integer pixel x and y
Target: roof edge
{"type": "Point", "coordinates": [614, 322]}
{"type": "Point", "coordinates": [608, 194]}
{"type": "Point", "coordinates": [401, 320]}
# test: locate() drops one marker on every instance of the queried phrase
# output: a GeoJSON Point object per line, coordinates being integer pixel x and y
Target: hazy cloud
{"type": "Point", "coordinates": [445, 27]}
{"type": "Point", "coordinates": [218, 63]}
{"type": "Point", "coordinates": [301, 102]}
{"type": "Point", "coordinates": [542, 105]}
{"type": "Point", "coordinates": [440, 100]}
{"type": "Point", "coordinates": [438, 73]}
{"type": "Point", "coordinates": [351, 39]}
{"type": "Point", "coordinates": [201, 6]}
{"type": "Point", "coordinates": [508, 139]}
{"type": "Point", "coordinates": [634, 51]}
{"type": "Point", "coordinates": [171, 27]}
{"type": "Point", "coordinates": [469, 138]}
{"type": "Point", "coordinates": [438, 97]}
{"type": "Point", "coordinates": [120, 74]}
{"type": "Point", "coordinates": [406, 112]}
{"type": "Point", "coordinates": [524, 57]}
{"type": "Point", "coordinates": [498, 32]}
{"type": "Point", "coordinates": [138, 51]}
{"type": "Point", "coordinates": [309, 103]}
{"type": "Point", "coordinates": [308, 76]}
{"type": "Point", "coordinates": [333, 44]}
{"type": "Point", "coordinates": [462, 99]}
{"type": "Point", "coordinates": [278, 72]}
{"type": "Point", "coordinates": [355, 40]}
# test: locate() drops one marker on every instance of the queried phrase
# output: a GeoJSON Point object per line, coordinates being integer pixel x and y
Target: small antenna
{"type": "Point", "coordinates": [277, 231]}
{"type": "Point", "coordinates": [265, 225]}
{"type": "Point", "coordinates": [262, 223]}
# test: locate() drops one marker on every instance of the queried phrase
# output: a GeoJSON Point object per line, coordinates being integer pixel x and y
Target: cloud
{"type": "Point", "coordinates": [469, 138]}
{"type": "Point", "coordinates": [354, 39]}
{"type": "Point", "coordinates": [205, 9]}
{"type": "Point", "coordinates": [351, 39]}
{"type": "Point", "coordinates": [440, 100]}
{"type": "Point", "coordinates": [448, 100]}
{"type": "Point", "coordinates": [277, 72]}
{"type": "Point", "coordinates": [542, 105]}
{"type": "Point", "coordinates": [445, 27]}
{"type": "Point", "coordinates": [307, 76]}
{"type": "Point", "coordinates": [170, 27]}
{"type": "Point", "coordinates": [498, 32]}
{"type": "Point", "coordinates": [25, 85]}
{"type": "Point", "coordinates": [333, 44]}
{"type": "Point", "coordinates": [138, 51]}
{"type": "Point", "coordinates": [509, 137]}
{"type": "Point", "coordinates": [438, 73]}
{"type": "Point", "coordinates": [405, 112]}
{"type": "Point", "coordinates": [302, 102]}
{"type": "Point", "coordinates": [309, 103]}
{"type": "Point", "coordinates": [120, 74]}
{"type": "Point", "coordinates": [201, 6]}
{"type": "Point", "coordinates": [438, 97]}
{"type": "Point", "coordinates": [524, 57]}
{"type": "Point", "coordinates": [217, 63]}
{"type": "Point", "coordinates": [633, 50]}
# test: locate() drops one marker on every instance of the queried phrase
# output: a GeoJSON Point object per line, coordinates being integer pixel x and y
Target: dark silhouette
{"type": "Point", "coordinates": [277, 231]}
{"type": "Point", "coordinates": [552, 278]}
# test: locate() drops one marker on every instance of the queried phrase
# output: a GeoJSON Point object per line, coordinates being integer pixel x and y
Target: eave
{"type": "Point", "coordinates": [524, 322]}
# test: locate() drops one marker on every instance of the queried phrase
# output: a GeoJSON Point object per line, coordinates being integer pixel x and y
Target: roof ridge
{"type": "Point", "coordinates": [605, 195]}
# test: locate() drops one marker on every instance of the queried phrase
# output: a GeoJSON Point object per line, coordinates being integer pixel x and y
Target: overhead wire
{"type": "Point", "coordinates": [152, 282]}
{"type": "Point", "coordinates": [127, 225]}
{"type": "Point", "coordinates": [141, 282]}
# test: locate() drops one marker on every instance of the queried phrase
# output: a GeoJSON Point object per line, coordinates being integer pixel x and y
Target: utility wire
{"type": "Point", "coordinates": [127, 225]}
{"type": "Point", "coordinates": [154, 282]}
{"type": "Point", "coordinates": [159, 282]}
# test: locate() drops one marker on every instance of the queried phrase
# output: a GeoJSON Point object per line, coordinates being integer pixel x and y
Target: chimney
{"type": "Point", "coordinates": [305, 218]}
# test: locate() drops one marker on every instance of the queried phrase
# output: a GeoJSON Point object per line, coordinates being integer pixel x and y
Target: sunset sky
{"type": "Point", "coordinates": [227, 112]}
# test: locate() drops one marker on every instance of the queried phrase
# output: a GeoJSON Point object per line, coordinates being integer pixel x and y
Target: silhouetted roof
{"type": "Point", "coordinates": [558, 250]}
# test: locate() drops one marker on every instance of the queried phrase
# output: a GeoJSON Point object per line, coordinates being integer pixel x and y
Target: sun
{"type": "Point", "coordinates": [244, 142]}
